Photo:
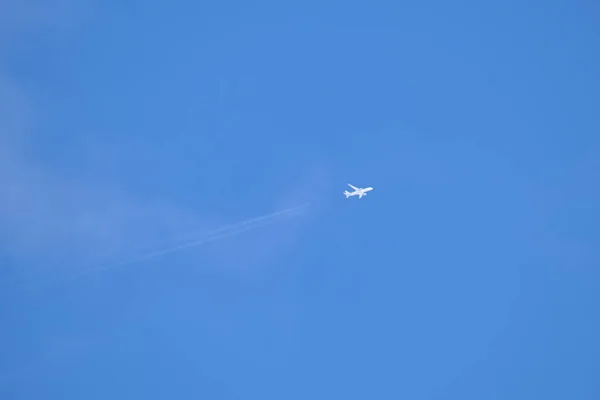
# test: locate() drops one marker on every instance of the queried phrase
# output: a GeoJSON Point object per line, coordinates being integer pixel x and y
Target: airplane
{"type": "Point", "coordinates": [360, 192]}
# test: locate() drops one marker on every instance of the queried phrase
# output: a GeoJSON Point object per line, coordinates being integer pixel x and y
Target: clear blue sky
{"type": "Point", "coordinates": [470, 272]}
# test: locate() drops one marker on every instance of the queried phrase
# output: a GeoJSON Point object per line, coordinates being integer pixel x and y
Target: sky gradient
{"type": "Point", "coordinates": [471, 271]}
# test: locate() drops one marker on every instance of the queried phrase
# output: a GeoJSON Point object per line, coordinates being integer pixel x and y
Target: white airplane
{"type": "Point", "coordinates": [360, 192]}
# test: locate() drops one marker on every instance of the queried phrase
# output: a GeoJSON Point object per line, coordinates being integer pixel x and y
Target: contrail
{"type": "Point", "coordinates": [217, 234]}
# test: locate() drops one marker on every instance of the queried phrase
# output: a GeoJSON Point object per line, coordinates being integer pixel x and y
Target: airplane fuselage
{"type": "Point", "coordinates": [360, 192]}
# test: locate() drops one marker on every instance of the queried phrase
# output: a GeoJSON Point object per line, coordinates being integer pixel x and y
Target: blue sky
{"type": "Point", "coordinates": [470, 272]}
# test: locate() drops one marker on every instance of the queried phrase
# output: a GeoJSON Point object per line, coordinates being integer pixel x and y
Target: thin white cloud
{"type": "Point", "coordinates": [44, 212]}
{"type": "Point", "coordinates": [47, 216]}
{"type": "Point", "coordinates": [49, 220]}
{"type": "Point", "coordinates": [53, 224]}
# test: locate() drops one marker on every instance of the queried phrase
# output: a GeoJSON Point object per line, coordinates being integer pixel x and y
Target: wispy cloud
{"type": "Point", "coordinates": [48, 218]}
{"type": "Point", "coordinates": [55, 224]}
{"type": "Point", "coordinates": [42, 211]}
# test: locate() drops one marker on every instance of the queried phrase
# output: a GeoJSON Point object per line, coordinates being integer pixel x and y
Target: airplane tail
{"type": "Point", "coordinates": [346, 193]}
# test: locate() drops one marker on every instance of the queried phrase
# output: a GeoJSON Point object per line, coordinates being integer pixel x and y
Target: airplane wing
{"type": "Point", "coordinates": [353, 187]}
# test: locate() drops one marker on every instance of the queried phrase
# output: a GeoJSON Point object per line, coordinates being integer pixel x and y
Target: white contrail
{"type": "Point", "coordinates": [217, 234]}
